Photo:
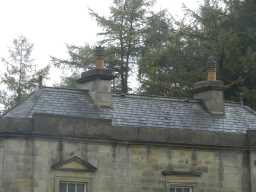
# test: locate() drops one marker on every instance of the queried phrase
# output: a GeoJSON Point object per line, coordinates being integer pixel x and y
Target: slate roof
{"type": "Point", "coordinates": [137, 111]}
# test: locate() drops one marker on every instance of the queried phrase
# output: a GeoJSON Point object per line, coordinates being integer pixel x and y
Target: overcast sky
{"type": "Point", "coordinates": [50, 24]}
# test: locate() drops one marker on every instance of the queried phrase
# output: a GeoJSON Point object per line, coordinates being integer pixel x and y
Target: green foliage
{"type": "Point", "coordinates": [223, 29]}
{"type": "Point", "coordinates": [122, 34]}
{"type": "Point", "coordinates": [79, 58]}
{"type": "Point", "coordinates": [21, 76]}
{"type": "Point", "coordinates": [232, 41]}
{"type": "Point", "coordinates": [169, 63]}
{"type": "Point", "coordinates": [82, 59]}
{"type": "Point", "coordinates": [172, 54]}
{"type": "Point", "coordinates": [123, 30]}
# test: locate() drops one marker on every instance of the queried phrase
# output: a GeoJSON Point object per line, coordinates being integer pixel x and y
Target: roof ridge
{"type": "Point", "coordinates": [249, 109]}
{"type": "Point", "coordinates": [232, 102]}
{"type": "Point", "coordinates": [157, 97]}
{"type": "Point", "coordinates": [64, 88]}
{"type": "Point", "coordinates": [181, 99]}
{"type": "Point", "coordinates": [39, 91]}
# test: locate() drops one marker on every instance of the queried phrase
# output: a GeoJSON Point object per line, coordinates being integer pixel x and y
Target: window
{"type": "Point", "coordinates": [72, 187]}
{"type": "Point", "coordinates": [180, 189]}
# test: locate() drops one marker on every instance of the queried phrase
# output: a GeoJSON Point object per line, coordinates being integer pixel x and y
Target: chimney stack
{"type": "Point", "coordinates": [98, 81]}
{"type": "Point", "coordinates": [210, 92]}
{"type": "Point", "coordinates": [40, 81]}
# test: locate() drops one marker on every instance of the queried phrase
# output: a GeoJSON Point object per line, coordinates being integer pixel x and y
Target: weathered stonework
{"type": "Point", "coordinates": [211, 95]}
{"type": "Point", "coordinates": [98, 84]}
{"type": "Point", "coordinates": [124, 160]}
{"type": "Point", "coordinates": [26, 166]}
{"type": "Point", "coordinates": [117, 143]}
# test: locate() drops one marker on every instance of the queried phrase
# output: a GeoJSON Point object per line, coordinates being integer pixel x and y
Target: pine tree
{"type": "Point", "coordinates": [122, 34]}
{"type": "Point", "coordinates": [122, 31]}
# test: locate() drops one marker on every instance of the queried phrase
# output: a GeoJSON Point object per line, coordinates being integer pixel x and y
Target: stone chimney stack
{"type": "Point", "coordinates": [40, 81]}
{"type": "Point", "coordinates": [210, 92]}
{"type": "Point", "coordinates": [98, 81]}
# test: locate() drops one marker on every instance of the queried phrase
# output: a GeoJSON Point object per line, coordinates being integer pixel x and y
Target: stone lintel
{"type": "Point", "coordinates": [193, 173]}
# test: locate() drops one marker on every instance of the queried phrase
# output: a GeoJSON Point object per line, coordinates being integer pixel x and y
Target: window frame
{"type": "Point", "coordinates": [74, 183]}
{"type": "Point", "coordinates": [180, 186]}
{"type": "Point", "coordinates": [181, 181]}
{"type": "Point", "coordinates": [73, 180]}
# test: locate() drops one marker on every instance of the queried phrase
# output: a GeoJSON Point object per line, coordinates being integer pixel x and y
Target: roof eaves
{"type": "Point", "coordinates": [18, 104]}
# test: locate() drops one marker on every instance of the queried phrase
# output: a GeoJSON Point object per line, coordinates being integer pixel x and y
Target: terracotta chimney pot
{"type": "Point", "coordinates": [99, 52]}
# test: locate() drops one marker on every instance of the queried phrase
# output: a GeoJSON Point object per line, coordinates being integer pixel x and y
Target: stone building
{"type": "Point", "coordinates": [87, 139]}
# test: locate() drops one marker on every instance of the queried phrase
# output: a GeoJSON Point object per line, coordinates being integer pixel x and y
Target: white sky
{"type": "Point", "coordinates": [50, 24]}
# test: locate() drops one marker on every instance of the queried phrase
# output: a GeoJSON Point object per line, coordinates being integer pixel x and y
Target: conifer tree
{"type": "Point", "coordinates": [21, 76]}
{"type": "Point", "coordinates": [122, 33]}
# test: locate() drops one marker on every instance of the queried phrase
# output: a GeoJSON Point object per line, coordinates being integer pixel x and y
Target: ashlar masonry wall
{"type": "Point", "coordinates": [26, 166]}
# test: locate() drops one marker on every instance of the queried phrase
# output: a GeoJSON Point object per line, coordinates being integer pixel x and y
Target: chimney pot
{"type": "Point", "coordinates": [99, 53]}
{"type": "Point", "coordinates": [211, 69]}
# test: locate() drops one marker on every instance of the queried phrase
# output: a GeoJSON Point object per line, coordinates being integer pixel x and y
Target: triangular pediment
{"type": "Point", "coordinates": [74, 164]}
